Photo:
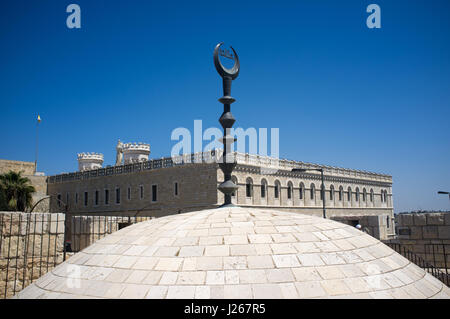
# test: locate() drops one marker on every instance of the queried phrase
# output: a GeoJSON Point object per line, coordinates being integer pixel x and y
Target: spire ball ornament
{"type": "Point", "coordinates": [227, 120]}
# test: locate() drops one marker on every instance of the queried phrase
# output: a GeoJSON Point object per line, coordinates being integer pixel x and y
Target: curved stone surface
{"type": "Point", "coordinates": [237, 253]}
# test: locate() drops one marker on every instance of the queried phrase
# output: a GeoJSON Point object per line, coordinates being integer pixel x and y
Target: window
{"type": "Point", "coordinates": [387, 222]}
{"type": "Point", "coordinates": [76, 198]}
{"type": "Point", "coordinates": [106, 197]}
{"type": "Point", "coordinates": [277, 190]}
{"type": "Point", "coordinates": [357, 194]}
{"type": "Point", "coordinates": [301, 191]}
{"type": "Point", "coordinates": [371, 195]}
{"type": "Point", "coordinates": [341, 193]}
{"type": "Point", "coordinates": [154, 193]}
{"type": "Point", "coordinates": [289, 190]}
{"type": "Point", "coordinates": [96, 198]}
{"type": "Point", "coordinates": [141, 192]}
{"type": "Point", "coordinates": [312, 191]}
{"type": "Point", "coordinates": [331, 192]}
{"type": "Point", "coordinates": [248, 190]}
{"type": "Point", "coordinates": [59, 200]}
{"type": "Point", "coordinates": [117, 195]}
{"type": "Point", "coordinates": [382, 196]}
{"type": "Point", "coordinates": [263, 189]}
{"type": "Point", "coordinates": [85, 198]}
{"type": "Point", "coordinates": [129, 193]}
{"type": "Point", "coordinates": [349, 194]}
{"type": "Point", "coordinates": [248, 187]}
{"type": "Point", "coordinates": [364, 194]}
{"type": "Point", "coordinates": [175, 190]}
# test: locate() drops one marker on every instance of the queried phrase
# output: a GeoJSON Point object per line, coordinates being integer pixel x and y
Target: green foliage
{"type": "Point", "coordinates": [15, 192]}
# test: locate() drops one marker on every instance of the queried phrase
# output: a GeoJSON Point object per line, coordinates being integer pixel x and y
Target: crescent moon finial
{"type": "Point", "coordinates": [223, 71]}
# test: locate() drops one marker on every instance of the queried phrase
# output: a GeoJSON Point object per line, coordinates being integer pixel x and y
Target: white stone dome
{"type": "Point", "coordinates": [237, 253]}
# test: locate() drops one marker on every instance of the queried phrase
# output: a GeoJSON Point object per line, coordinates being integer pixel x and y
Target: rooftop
{"type": "Point", "coordinates": [213, 156]}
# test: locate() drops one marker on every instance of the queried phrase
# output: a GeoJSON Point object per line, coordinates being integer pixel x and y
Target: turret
{"type": "Point", "coordinates": [135, 152]}
{"type": "Point", "coordinates": [88, 161]}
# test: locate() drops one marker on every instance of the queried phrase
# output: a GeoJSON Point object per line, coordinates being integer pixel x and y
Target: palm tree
{"type": "Point", "coordinates": [15, 191]}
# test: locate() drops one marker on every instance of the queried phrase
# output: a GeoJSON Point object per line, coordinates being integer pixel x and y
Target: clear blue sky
{"type": "Point", "coordinates": [341, 94]}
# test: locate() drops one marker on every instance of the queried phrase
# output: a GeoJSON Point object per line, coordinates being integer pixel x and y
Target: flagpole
{"type": "Point", "coordinates": [37, 140]}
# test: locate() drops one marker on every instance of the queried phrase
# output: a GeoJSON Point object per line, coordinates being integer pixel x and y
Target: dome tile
{"type": "Point", "coordinates": [237, 253]}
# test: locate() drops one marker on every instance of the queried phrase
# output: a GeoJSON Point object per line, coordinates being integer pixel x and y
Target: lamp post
{"type": "Point", "coordinates": [445, 193]}
{"type": "Point", "coordinates": [322, 189]}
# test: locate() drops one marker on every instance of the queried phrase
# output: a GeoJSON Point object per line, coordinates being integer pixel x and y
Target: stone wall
{"type": "Point", "coordinates": [31, 245]}
{"type": "Point", "coordinates": [417, 230]}
{"type": "Point", "coordinates": [196, 187]}
{"type": "Point", "coordinates": [39, 182]}
{"type": "Point", "coordinates": [82, 231]}
{"type": "Point", "coordinates": [17, 166]}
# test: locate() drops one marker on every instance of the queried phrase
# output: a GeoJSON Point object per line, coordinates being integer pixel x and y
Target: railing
{"type": "Point", "coordinates": [32, 244]}
{"type": "Point", "coordinates": [441, 273]}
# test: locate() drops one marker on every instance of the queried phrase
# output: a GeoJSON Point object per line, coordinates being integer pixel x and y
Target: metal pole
{"type": "Point", "coordinates": [37, 140]}
{"type": "Point", "coordinates": [19, 230]}
{"type": "Point", "coordinates": [55, 259]}
{"type": "Point", "coordinates": [445, 264]}
{"type": "Point", "coordinates": [25, 258]}
{"type": "Point", "coordinates": [65, 233]}
{"type": "Point", "coordinates": [9, 249]}
{"type": "Point", "coordinates": [323, 195]}
{"type": "Point", "coordinates": [32, 253]}
{"type": "Point", "coordinates": [48, 244]}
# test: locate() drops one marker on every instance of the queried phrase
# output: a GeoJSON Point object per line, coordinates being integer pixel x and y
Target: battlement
{"type": "Point", "coordinates": [136, 147]}
{"type": "Point", "coordinates": [135, 152]}
{"type": "Point", "coordinates": [90, 156]}
{"type": "Point", "coordinates": [89, 161]}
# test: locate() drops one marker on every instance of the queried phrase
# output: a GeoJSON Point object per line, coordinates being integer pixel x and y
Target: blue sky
{"type": "Point", "coordinates": [340, 93]}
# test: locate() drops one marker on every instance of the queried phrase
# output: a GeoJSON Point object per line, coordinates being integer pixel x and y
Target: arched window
{"type": "Point", "coordinates": [382, 196]}
{"type": "Point", "coordinates": [341, 193]}
{"type": "Point", "coordinates": [331, 192]}
{"type": "Point", "coordinates": [263, 188]}
{"type": "Point", "coordinates": [349, 194]}
{"type": "Point", "coordinates": [385, 196]}
{"type": "Point", "coordinates": [277, 189]}
{"type": "Point", "coordinates": [312, 190]}
{"type": "Point", "coordinates": [249, 187]}
{"type": "Point", "coordinates": [357, 194]}
{"type": "Point", "coordinates": [371, 195]}
{"type": "Point", "coordinates": [364, 194]}
{"type": "Point", "coordinates": [301, 190]}
{"type": "Point", "coordinates": [289, 190]}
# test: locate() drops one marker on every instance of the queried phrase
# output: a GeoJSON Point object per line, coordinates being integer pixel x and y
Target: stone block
{"type": "Point", "coordinates": [406, 220]}
{"type": "Point", "coordinates": [420, 219]}
{"type": "Point", "coordinates": [444, 232]}
{"type": "Point", "coordinates": [430, 232]}
{"type": "Point", "coordinates": [373, 221]}
{"type": "Point", "coordinates": [435, 219]}
{"type": "Point", "coordinates": [416, 232]}
{"type": "Point", "coordinates": [447, 219]}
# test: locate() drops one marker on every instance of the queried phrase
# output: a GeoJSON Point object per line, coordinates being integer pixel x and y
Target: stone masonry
{"type": "Point", "coordinates": [416, 230]}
